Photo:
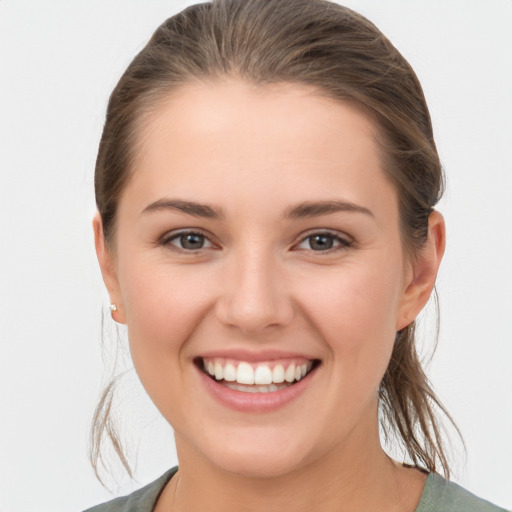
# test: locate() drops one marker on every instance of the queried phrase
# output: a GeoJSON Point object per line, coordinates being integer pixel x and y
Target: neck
{"type": "Point", "coordinates": [354, 477]}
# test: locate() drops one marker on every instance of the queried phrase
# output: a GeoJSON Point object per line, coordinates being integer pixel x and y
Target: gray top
{"type": "Point", "coordinates": [439, 495]}
{"type": "Point", "coordinates": [143, 500]}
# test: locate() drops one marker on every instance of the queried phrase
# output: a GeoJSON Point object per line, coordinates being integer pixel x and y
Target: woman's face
{"type": "Point", "coordinates": [259, 239]}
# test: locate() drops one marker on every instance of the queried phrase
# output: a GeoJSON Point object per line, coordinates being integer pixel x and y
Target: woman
{"type": "Point", "coordinates": [266, 183]}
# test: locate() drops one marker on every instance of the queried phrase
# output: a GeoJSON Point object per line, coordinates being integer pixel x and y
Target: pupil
{"type": "Point", "coordinates": [192, 241]}
{"type": "Point", "coordinates": [321, 242]}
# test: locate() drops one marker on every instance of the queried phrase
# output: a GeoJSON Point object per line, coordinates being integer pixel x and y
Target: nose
{"type": "Point", "coordinates": [255, 297]}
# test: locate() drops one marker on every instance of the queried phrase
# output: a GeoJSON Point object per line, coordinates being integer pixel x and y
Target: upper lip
{"type": "Point", "coordinates": [254, 356]}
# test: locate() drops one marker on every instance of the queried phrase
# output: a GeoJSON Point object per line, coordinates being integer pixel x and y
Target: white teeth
{"type": "Point", "coordinates": [263, 375]}
{"type": "Point", "coordinates": [289, 375]}
{"type": "Point", "coordinates": [230, 372]}
{"type": "Point", "coordinates": [245, 374]}
{"type": "Point", "coordinates": [256, 374]}
{"type": "Point", "coordinates": [278, 374]}
{"type": "Point", "coordinates": [255, 389]}
{"type": "Point", "coordinates": [219, 372]}
{"type": "Point", "coordinates": [240, 387]}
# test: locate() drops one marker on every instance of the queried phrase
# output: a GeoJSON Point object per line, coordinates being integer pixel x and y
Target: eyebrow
{"type": "Point", "coordinates": [188, 207]}
{"type": "Point", "coordinates": [318, 208]}
{"type": "Point", "coordinates": [307, 209]}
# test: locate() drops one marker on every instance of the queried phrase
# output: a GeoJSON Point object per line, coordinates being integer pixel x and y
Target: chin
{"type": "Point", "coordinates": [259, 466]}
{"type": "Point", "coordinates": [265, 458]}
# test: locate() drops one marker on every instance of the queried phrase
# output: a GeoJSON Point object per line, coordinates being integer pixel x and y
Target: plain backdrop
{"type": "Point", "coordinates": [59, 60]}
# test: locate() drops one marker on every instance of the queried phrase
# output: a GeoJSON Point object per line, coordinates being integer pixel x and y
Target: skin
{"type": "Point", "coordinates": [258, 284]}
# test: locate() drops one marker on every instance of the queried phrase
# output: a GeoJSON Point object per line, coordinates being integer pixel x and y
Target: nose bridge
{"type": "Point", "coordinates": [255, 296]}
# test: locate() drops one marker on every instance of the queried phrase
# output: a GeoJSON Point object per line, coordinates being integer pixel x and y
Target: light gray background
{"type": "Point", "coordinates": [59, 61]}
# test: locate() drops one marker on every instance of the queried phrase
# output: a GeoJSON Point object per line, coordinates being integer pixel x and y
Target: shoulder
{"type": "Point", "coordinates": [440, 495]}
{"type": "Point", "coordinates": [143, 500]}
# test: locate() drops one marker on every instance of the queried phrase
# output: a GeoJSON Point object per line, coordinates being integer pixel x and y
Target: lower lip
{"type": "Point", "coordinates": [255, 402]}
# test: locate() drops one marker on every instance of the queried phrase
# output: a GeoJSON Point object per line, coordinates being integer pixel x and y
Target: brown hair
{"type": "Point", "coordinates": [343, 56]}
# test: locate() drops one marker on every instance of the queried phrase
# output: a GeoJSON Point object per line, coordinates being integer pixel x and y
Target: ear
{"type": "Point", "coordinates": [422, 275]}
{"type": "Point", "coordinates": [108, 269]}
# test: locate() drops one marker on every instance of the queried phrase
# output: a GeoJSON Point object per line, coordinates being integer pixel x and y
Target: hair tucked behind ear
{"type": "Point", "coordinates": [341, 55]}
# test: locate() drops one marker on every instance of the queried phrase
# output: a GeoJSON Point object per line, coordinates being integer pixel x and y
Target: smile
{"type": "Point", "coordinates": [250, 377]}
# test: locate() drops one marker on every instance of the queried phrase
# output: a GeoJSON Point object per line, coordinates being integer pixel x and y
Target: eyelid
{"type": "Point", "coordinates": [344, 240]}
{"type": "Point", "coordinates": [166, 239]}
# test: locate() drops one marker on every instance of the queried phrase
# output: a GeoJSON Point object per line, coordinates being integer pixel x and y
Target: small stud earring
{"type": "Point", "coordinates": [113, 307]}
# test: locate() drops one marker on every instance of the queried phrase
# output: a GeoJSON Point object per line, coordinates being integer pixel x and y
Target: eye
{"type": "Point", "coordinates": [323, 242]}
{"type": "Point", "coordinates": [187, 241]}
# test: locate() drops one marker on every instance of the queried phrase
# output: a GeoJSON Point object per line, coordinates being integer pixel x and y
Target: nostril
{"type": "Point", "coordinates": [255, 305]}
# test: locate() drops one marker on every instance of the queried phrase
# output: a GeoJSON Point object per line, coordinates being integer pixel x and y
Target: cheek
{"type": "Point", "coordinates": [163, 305]}
{"type": "Point", "coordinates": [357, 299]}
{"type": "Point", "coordinates": [355, 312]}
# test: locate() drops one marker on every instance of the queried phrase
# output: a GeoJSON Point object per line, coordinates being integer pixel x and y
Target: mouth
{"type": "Point", "coordinates": [256, 377]}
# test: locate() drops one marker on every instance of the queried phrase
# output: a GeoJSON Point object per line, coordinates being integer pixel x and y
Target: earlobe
{"type": "Point", "coordinates": [424, 272]}
{"type": "Point", "coordinates": [108, 271]}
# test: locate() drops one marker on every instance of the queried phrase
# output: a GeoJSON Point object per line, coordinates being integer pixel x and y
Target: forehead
{"type": "Point", "coordinates": [232, 138]}
{"type": "Point", "coordinates": [233, 110]}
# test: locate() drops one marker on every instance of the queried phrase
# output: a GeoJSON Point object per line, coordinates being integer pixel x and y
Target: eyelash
{"type": "Point", "coordinates": [168, 239]}
{"type": "Point", "coordinates": [343, 243]}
